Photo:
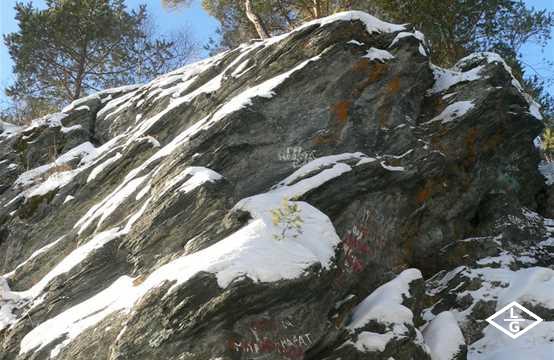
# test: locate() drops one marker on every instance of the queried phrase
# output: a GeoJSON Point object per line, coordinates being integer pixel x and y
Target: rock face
{"type": "Point", "coordinates": [324, 194]}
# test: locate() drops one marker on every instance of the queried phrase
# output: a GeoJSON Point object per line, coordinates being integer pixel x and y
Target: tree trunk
{"type": "Point", "coordinates": [317, 9]}
{"type": "Point", "coordinates": [80, 73]}
{"type": "Point", "coordinates": [256, 20]}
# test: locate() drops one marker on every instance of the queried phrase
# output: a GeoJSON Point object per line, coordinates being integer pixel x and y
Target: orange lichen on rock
{"type": "Point", "coordinates": [340, 110]}
{"type": "Point", "coordinates": [361, 66]}
{"type": "Point", "coordinates": [492, 143]}
{"type": "Point", "coordinates": [393, 86]}
{"type": "Point", "coordinates": [377, 71]}
{"type": "Point", "coordinates": [424, 193]}
{"type": "Point", "coordinates": [337, 122]}
{"type": "Point", "coordinates": [323, 140]}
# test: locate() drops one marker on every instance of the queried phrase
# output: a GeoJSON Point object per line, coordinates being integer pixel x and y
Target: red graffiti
{"type": "Point", "coordinates": [290, 347]}
{"type": "Point", "coordinates": [354, 243]}
{"type": "Point", "coordinates": [355, 264]}
{"type": "Point", "coordinates": [294, 352]}
{"type": "Point", "coordinates": [267, 345]}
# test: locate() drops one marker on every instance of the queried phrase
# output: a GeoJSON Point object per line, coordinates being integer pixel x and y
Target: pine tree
{"type": "Point", "coordinates": [74, 47]}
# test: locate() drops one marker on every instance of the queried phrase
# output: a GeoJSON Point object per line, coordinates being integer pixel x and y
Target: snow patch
{"type": "Point", "coordinates": [100, 168]}
{"type": "Point", "coordinates": [372, 24]}
{"type": "Point", "coordinates": [391, 168]}
{"type": "Point", "coordinates": [384, 305]}
{"type": "Point", "coordinates": [8, 303]}
{"type": "Point", "coordinates": [355, 42]}
{"type": "Point", "coordinates": [445, 79]}
{"type": "Point", "coordinates": [404, 34]}
{"type": "Point", "coordinates": [8, 130]}
{"type": "Point", "coordinates": [444, 337]}
{"type": "Point", "coordinates": [372, 342]}
{"type": "Point", "coordinates": [453, 111]}
{"type": "Point", "coordinates": [378, 54]}
{"type": "Point", "coordinates": [537, 344]}
{"type": "Point", "coordinates": [33, 255]}
{"type": "Point", "coordinates": [195, 175]}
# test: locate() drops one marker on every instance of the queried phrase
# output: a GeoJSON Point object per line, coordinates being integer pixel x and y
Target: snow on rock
{"type": "Point", "coordinates": [490, 57]}
{"type": "Point", "coordinates": [47, 178]}
{"type": "Point", "coordinates": [8, 130]}
{"type": "Point", "coordinates": [372, 342]}
{"type": "Point", "coordinates": [104, 94]}
{"type": "Point", "coordinates": [264, 90]}
{"type": "Point", "coordinates": [50, 120]}
{"type": "Point", "coordinates": [8, 303]}
{"type": "Point", "coordinates": [547, 170]}
{"type": "Point", "coordinates": [75, 320]}
{"type": "Point", "coordinates": [453, 111]}
{"type": "Point", "coordinates": [244, 99]}
{"type": "Point", "coordinates": [195, 176]}
{"type": "Point", "coordinates": [391, 168]}
{"type": "Point", "coordinates": [534, 107]}
{"type": "Point", "coordinates": [81, 151]}
{"type": "Point", "coordinates": [265, 249]}
{"type": "Point", "coordinates": [324, 162]}
{"type": "Point", "coordinates": [116, 106]}
{"type": "Point", "coordinates": [378, 54]}
{"type": "Point", "coordinates": [487, 58]}
{"type": "Point", "coordinates": [71, 260]}
{"type": "Point", "coordinates": [537, 344]}
{"type": "Point", "coordinates": [445, 79]}
{"type": "Point", "coordinates": [54, 181]}
{"type": "Point", "coordinates": [355, 42]}
{"type": "Point", "coordinates": [384, 305]}
{"type": "Point", "coordinates": [79, 102]}
{"type": "Point", "coordinates": [29, 176]}
{"type": "Point", "coordinates": [34, 255]}
{"type": "Point", "coordinates": [533, 285]}
{"type": "Point", "coordinates": [69, 129]}
{"type": "Point", "coordinates": [422, 50]}
{"type": "Point", "coordinates": [253, 251]}
{"type": "Point", "coordinates": [101, 167]}
{"type": "Point", "coordinates": [68, 198]}
{"type": "Point", "coordinates": [505, 259]}
{"type": "Point", "coordinates": [372, 23]}
{"type": "Point", "coordinates": [401, 35]}
{"type": "Point", "coordinates": [444, 337]}
{"type": "Point", "coordinates": [101, 211]}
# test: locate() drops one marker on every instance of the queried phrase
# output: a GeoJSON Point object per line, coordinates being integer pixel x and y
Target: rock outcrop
{"type": "Point", "coordinates": [324, 194]}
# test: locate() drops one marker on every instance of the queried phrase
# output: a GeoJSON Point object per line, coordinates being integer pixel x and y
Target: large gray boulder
{"type": "Point", "coordinates": [273, 202]}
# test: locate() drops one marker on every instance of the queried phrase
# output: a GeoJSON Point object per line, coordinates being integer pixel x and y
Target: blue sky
{"type": "Point", "coordinates": [203, 27]}
{"type": "Point", "coordinates": [201, 24]}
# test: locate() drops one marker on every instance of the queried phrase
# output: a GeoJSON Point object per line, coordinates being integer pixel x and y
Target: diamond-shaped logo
{"type": "Point", "coordinates": [514, 320]}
